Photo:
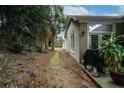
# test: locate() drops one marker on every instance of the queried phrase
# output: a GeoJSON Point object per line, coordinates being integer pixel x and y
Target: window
{"type": "Point", "coordinates": [72, 41]}
{"type": "Point", "coordinates": [97, 33]}
{"type": "Point", "coordinates": [100, 27]}
{"type": "Point", "coordinates": [93, 42]}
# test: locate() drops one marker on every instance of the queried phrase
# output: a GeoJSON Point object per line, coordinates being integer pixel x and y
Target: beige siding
{"type": "Point", "coordinates": [75, 53]}
{"type": "Point", "coordinates": [83, 39]}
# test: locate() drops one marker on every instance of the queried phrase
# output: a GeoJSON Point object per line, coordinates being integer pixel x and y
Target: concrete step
{"type": "Point", "coordinates": [104, 81]}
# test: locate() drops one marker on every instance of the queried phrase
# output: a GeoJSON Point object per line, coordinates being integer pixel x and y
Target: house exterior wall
{"type": "Point", "coordinates": [83, 39]}
{"type": "Point", "coordinates": [74, 53]}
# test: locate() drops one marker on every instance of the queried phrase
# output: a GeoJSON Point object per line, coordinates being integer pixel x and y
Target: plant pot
{"type": "Point", "coordinates": [117, 78]}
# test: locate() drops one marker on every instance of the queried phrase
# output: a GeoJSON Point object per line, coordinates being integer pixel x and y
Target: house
{"type": "Point", "coordinates": [86, 32]}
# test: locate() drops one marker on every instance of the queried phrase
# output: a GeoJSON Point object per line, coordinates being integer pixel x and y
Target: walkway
{"type": "Point", "coordinates": [67, 73]}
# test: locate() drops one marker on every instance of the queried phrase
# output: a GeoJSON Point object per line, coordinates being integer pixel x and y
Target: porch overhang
{"type": "Point", "coordinates": [84, 19]}
{"type": "Point", "coordinates": [98, 18]}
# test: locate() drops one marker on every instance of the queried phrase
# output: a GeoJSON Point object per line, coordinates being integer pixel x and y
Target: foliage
{"type": "Point", "coordinates": [57, 22]}
{"type": "Point", "coordinates": [112, 52]}
{"type": "Point", "coordinates": [24, 26]}
{"type": "Point", "coordinates": [58, 41]}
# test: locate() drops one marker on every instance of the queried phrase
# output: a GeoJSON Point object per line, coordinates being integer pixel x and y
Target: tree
{"type": "Point", "coordinates": [57, 22]}
{"type": "Point", "coordinates": [58, 41]}
{"type": "Point", "coordinates": [21, 25]}
{"type": "Point", "coordinates": [27, 26]}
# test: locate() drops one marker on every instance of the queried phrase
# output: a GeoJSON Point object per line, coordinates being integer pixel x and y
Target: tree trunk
{"type": "Point", "coordinates": [43, 44]}
{"type": "Point", "coordinates": [53, 42]}
{"type": "Point", "coordinates": [46, 43]}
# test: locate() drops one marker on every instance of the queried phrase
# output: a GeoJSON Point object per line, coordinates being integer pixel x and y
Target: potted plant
{"type": "Point", "coordinates": [113, 54]}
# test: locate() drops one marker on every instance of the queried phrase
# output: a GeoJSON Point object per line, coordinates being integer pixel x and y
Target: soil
{"type": "Point", "coordinates": [68, 74]}
{"type": "Point", "coordinates": [24, 70]}
{"type": "Point", "coordinates": [29, 69]}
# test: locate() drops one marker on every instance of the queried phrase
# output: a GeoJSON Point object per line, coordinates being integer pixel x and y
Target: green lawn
{"type": "Point", "coordinates": [53, 61]}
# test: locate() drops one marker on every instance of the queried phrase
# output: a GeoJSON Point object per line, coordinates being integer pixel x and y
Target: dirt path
{"type": "Point", "coordinates": [33, 69]}
{"type": "Point", "coordinates": [68, 73]}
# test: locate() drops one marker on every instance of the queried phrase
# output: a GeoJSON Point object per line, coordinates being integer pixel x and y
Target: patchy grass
{"type": "Point", "coordinates": [53, 61]}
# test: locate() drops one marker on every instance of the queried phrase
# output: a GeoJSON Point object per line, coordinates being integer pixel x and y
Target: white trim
{"type": "Point", "coordinates": [114, 27]}
{"type": "Point", "coordinates": [72, 51]}
{"type": "Point", "coordinates": [97, 25]}
{"type": "Point", "coordinates": [88, 41]}
{"type": "Point", "coordinates": [109, 23]}
{"type": "Point", "coordinates": [72, 33]}
{"type": "Point", "coordinates": [99, 40]}
{"type": "Point", "coordinates": [87, 36]}
{"type": "Point", "coordinates": [100, 33]}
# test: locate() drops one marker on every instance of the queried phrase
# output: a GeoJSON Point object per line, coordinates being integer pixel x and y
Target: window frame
{"type": "Point", "coordinates": [99, 33]}
{"type": "Point", "coordinates": [72, 43]}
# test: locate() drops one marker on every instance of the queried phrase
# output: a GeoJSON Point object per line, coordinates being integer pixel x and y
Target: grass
{"type": "Point", "coordinates": [53, 61]}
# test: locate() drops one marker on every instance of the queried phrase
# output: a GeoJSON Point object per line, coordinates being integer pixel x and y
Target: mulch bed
{"type": "Point", "coordinates": [24, 70]}
{"type": "Point", "coordinates": [28, 70]}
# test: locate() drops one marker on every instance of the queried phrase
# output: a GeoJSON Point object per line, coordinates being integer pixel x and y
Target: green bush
{"type": "Point", "coordinates": [113, 53]}
{"type": "Point", "coordinates": [16, 48]}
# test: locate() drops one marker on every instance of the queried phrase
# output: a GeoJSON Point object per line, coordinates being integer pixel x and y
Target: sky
{"type": "Point", "coordinates": [99, 10]}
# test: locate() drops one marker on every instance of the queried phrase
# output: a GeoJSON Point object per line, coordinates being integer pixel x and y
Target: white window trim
{"type": "Point", "coordinates": [98, 32]}
{"type": "Point", "coordinates": [72, 50]}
